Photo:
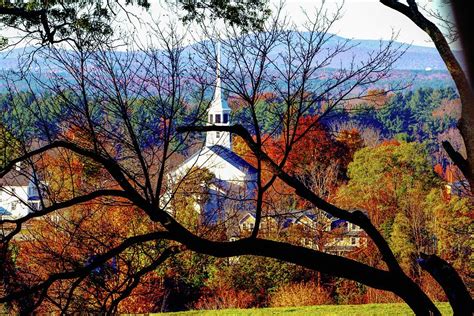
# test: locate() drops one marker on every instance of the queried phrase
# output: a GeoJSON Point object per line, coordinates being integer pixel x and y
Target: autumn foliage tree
{"type": "Point", "coordinates": [135, 118]}
{"type": "Point", "coordinates": [407, 201]}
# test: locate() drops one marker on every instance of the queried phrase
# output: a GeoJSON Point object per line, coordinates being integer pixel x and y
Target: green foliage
{"type": "Point", "coordinates": [3, 41]}
{"type": "Point", "coordinates": [452, 227]}
{"type": "Point", "coordinates": [9, 146]}
{"type": "Point", "coordinates": [191, 196]}
{"type": "Point", "coordinates": [248, 14]}
{"type": "Point", "coordinates": [55, 21]}
{"type": "Point", "coordinates": [411, 113]}
{"type": "Point", "coordinates": [257, 275]}
{"type": "Point", "coordinates": [382, 179]}
{"type": "Point", "coordinates": [267, 112]}
{"type": "Point", "coordinates": [401, 242]}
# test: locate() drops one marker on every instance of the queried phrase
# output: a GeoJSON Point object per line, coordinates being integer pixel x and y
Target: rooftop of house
{"type": "Point", "coordinates": [4, 212]}
{"type": "Point", "coordinates": [15, 178]}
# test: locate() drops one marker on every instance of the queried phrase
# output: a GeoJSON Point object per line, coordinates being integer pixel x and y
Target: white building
{"type": "Point", "coordinates": [235, 178]}
{"type": "Point", "coordinates": [18, 195]}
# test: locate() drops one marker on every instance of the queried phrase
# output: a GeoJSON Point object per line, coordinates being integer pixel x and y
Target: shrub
{"type": "Point", "coordinates": [350, 292]}
{"type": "Point", "coordinates": [300, 294]}
{"type": "Point", "coordinates": [225, 298]}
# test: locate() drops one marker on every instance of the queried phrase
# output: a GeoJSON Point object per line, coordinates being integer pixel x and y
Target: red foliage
{"type": "Point", "coordinates": [308, 146]}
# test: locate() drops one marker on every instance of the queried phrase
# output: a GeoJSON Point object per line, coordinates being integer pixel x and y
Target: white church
{"type": "Point", "coordinates": [235, 178]}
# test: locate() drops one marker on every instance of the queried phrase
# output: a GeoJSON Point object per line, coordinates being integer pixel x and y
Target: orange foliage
{"type": "Point", "coordinates": [71, 240]}
{"type": "Point", "coordinates": [439, 170]}
{"type": "Point", "coordinates": [352, 139]}
{"type": "Point", "coordinates": [317, 148]}
{"type": "Point", "coordinates": [377, 97]}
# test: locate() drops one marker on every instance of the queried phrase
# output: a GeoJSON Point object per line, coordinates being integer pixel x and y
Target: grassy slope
{"type": "Point", "coordinates": [366, 309]}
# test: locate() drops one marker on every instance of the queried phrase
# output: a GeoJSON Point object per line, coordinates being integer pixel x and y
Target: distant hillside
{"type": "Point", "coordinates": [422, 63]}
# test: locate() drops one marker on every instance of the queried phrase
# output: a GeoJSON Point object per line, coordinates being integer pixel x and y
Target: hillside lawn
{"type": "Point", "coordinates": [364, 309]}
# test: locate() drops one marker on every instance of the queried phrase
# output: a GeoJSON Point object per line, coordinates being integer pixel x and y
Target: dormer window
{"type": "Point", "coordinates": [211, 118]}
{"type": "Point", "coordinates": [218, 118]}
{"type": "Point", "coordinates": [226, 118]}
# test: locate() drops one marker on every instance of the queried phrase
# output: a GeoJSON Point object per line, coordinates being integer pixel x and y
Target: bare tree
{"type": "Point", "coordinates": [131, 113]}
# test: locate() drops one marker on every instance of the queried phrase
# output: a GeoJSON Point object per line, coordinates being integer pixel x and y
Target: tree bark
{"type": "Point", "coordinates": [452, 284]}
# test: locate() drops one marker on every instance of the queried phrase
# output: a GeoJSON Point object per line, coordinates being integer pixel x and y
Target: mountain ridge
{"type": "Point", "coordinates": [415, 57]}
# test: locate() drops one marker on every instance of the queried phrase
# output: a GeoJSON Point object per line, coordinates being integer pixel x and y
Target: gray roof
{"type": "Point", "coordinates": [233, 158]}
{"type": "Point", "coordinates": [15, 178]}
{"type": "Point", "coordinates": [226, 154]}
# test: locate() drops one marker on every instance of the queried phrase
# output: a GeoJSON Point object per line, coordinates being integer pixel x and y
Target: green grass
{"type": "Point", "coordinates": [365, 309]}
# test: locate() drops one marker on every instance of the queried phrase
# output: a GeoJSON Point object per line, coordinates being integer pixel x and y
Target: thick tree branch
{"type": "Point", "coordinates": [337, 266]}
{"type": "Point", "coordinates": [456, 157]}
{"type": "Point", "coordinates": [357, 217]}
{"type": "Point", "coordinates": [450, 281]}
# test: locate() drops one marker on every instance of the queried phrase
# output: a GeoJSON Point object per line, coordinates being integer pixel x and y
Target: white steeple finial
{"type": "Point", "coordinates": [219, 110]}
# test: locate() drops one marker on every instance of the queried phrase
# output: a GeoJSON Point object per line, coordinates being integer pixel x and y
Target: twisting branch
{"type": "Point", "coordinates": [85, 270]}
{"type": "Point", "coordinates": [167, 253]}
{"type": "Point", "coordinates": [357, 217]}
{"type": "Point", "coordinates": [450, 281]}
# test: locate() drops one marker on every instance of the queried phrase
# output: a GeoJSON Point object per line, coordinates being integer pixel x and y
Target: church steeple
{"type": "Point", "coordinates": [219, 111]}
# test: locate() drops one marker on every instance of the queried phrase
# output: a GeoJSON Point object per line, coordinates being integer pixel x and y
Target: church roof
{"type": "Point", "coordinates": [226, 154]}
{"type": "Point", "coordinates": [233, 158]}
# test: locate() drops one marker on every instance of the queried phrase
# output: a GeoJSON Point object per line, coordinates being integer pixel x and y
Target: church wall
{"type": "Point", "coordinates": [13, 199]}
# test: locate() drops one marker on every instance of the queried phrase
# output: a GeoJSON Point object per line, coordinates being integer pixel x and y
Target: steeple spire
{"type": "Point", "coordinates": [219, 110]}
{"type": "Point", "coordinates": [218, 70]}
